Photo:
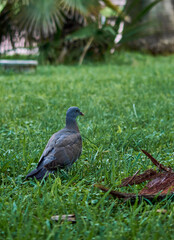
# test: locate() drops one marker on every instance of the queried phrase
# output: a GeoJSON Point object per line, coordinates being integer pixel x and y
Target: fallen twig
{"type": "Point", "coordinates": [131, 196]}
{"type": "Point", "coordinates": [114, 193]}
{"type": "Point", "coordinates": [156, 163]}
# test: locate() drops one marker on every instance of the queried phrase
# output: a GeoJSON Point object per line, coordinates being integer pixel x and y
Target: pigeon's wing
{"type": "Point", "coordinates": [50, 145]}
{"type": "Point", "coordinates": [66, 151]}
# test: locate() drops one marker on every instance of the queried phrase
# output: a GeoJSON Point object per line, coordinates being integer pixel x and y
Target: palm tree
{"type": "Point", "coordinates": [60, 27]}
{"type": "Point", "coordinates": [48, 22]}
{"type": "Point", "coordinates": [42, 19]}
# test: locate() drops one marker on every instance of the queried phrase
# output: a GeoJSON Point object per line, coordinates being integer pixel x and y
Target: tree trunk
{"type": "Point", "coordinates": [158, 36]}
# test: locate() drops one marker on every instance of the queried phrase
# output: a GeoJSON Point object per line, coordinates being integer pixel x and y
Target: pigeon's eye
{"type": "Point", "coordinates": [76, 110]}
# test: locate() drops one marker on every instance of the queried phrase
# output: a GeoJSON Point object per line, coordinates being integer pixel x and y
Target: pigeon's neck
{"type": "Point", "coordinates": [71, 124]}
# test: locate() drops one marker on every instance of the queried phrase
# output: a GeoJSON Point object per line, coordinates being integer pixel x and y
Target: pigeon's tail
{"type": "Point", "coordinates": [39, 174]}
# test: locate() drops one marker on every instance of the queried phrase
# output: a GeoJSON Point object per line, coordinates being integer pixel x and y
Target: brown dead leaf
{"type": "Point", "coordinates": [161, 183]}
{"type": "Point", "coordinates": [137, 179]}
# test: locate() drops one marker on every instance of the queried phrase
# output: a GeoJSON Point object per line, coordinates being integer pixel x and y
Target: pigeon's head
{"type": "Point", "coordinates": [73, 112]}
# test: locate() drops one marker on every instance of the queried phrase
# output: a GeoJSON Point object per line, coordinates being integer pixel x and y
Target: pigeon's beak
{"type": "Point", "coordinates": [81, 114]}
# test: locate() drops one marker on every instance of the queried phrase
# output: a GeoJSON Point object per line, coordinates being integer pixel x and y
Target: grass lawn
{"type": "Point", "coordinates": [128, 104]}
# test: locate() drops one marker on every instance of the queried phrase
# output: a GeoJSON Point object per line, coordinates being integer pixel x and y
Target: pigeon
{"type": "Point", "coordinates": [62, 149]}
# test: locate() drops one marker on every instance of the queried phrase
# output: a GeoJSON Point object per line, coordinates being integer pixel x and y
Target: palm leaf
{"type": "Point", "coordinates": [85, 7]}
{"type": "Point", "coordinates": [83, 33]}
{"type": "Point", "coordinates": [92, 30]}
{"type": "Point", "coordinates": [40, 17]}
{"type": "Point", "coordinates": [136, 27]}
{"type": "Point", "coordinates": [134, 4]}
{"type": "Point", "coordinates": [133, 31]}
{"type": "Point", "coordinates": [145, 10]}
